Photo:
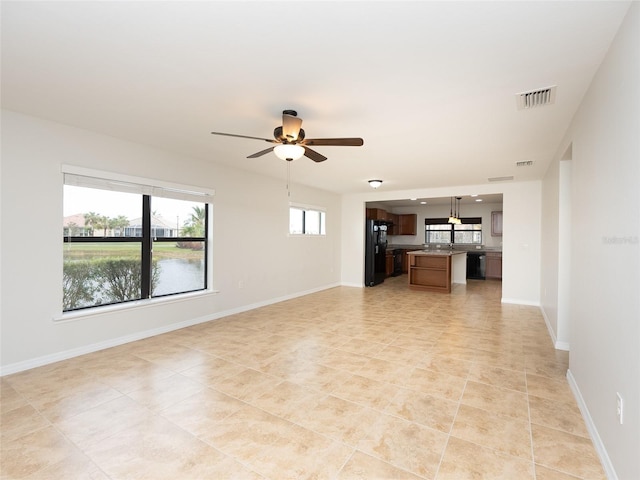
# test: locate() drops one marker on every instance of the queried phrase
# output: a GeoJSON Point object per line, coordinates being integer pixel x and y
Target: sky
{"type": "Point", "coordinates": [112, 204]}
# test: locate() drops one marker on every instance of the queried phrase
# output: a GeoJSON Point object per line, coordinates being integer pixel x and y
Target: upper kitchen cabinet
{"type": "Point", "coordinates": [395, 224]}
{"type": "Point", "coordinates": [407, 224]}
{"type": "Point", "coordinates": [496, 224]}
{"type": "Point", "coordinates": [378, 214]}
{"type": "Point", "coordinates": [401, 224]}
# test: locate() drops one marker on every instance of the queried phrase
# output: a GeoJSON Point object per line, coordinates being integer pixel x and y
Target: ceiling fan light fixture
{"type": "Point", "coordinates": [375, 183]}
{"type": "Point", "coordinates": [288, 151]}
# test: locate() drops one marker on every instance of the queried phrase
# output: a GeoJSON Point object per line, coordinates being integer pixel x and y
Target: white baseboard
{"type": "Point", "coordinates": [94, 347]}
{"type": "Point", "coordinates": [593, 431]}
{"type": "Point", "coordinates": [114, 342]}
{"type": "Point", "coordinates": [517, 301]}
{"type": "Point", "coordinates": [556, 343]}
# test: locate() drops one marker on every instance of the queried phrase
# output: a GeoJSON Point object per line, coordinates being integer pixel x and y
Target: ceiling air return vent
{"type": "Point", "coordinates": [525, 163]}
{"type": "Point", "coordinates": [500, 179]}
{"type": "Point", "coordinates": [536, 98]}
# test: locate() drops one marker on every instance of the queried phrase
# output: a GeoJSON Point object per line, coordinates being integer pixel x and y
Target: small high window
{"type": "Point", "coordinates": [306, 220]}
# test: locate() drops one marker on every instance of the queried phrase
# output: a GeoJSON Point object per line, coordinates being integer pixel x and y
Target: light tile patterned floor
{"type": "Point", "coordinates": [348, 383]}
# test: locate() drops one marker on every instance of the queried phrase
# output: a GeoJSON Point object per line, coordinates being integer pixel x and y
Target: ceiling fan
{"type": "Point", "coordinates": [291, 141]}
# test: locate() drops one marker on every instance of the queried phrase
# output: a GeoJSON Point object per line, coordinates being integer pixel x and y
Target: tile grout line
{"type": "Point", "coordinates": [453, 421]}
{"type": "Point", "coordinates": [526, 385]}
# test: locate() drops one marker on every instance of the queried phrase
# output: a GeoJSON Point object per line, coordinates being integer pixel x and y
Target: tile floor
{"type": "Point", "coordinates": [375, 383]}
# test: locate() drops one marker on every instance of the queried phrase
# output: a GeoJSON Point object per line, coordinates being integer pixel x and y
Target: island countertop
{"type": "Point", "coordinates": [439, 253]}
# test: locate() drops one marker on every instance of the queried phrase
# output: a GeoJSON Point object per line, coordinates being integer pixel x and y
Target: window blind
{"type": "Point", "coordinates": [84, 177]}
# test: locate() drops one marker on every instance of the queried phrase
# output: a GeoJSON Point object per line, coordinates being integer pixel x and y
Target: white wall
{"type": "Point", "coordinates": [549, 248]}
{"type": "Point", "coordinates": [482, 210]}
{"type": "Point", "coordinates": [604, 294]}
{"type": "Point", "coordinates": [520, 240]}
{"type": "Point", "coordinates": [555, 281]}
{"type": "Point", "coordinates": [250, 241]}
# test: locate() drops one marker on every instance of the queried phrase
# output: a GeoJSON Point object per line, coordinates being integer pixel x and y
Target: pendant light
{"type": "Point", "coordinates": [458, 221]}
{"type": "Point", "coordinates": [452, 219]}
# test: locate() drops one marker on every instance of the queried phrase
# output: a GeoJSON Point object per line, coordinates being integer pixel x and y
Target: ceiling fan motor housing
{"type": "Point", "coordinates": [278, 135]}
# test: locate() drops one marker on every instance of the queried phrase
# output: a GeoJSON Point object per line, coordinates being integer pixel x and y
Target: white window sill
{"type": "Point", "coordinates": [136, 304]}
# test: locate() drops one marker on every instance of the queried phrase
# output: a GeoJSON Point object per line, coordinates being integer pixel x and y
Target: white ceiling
{"type": "Point", "coordinates": [430, 86]}
{"type": "Point", "coordinates": [464, 200]}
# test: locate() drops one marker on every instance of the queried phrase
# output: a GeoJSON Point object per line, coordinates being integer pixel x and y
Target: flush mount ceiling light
{"type": "Point", "coordinates": [375, 183]}
{"type": "Point", "coordinates": [288, 152]}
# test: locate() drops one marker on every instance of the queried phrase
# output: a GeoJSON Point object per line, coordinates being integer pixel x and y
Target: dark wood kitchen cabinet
{"type": "Point", "coordinates": [405, 261]}
{"type": "Point", "coordinates": [430, 272]}
{"type": "Point", "coordinates": [376, 214]}
{"type": "Point", "coordinates": [493, 266]}
{"type": "Point", "coordinates": [407, 224]}
{"type": "Point", "coordinates": [389, 263]}
{"type": "Point", "coordinates": [395, 227]}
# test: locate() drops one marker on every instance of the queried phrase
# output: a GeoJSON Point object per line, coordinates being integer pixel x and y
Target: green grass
{"type": "Point", "coordinates": [160, 250]}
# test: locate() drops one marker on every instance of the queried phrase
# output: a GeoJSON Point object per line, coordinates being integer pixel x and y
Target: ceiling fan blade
{"type": "Point", "coordinates": [290, 126]}
{"type": "Point", "coordinates": [244, 136]}
{"type": "Point", "coordinates": [261, 152]}
{"type": "Point", "coordinates": [313, 155]}
{"type": "Point", "coordinates": [342, 142]}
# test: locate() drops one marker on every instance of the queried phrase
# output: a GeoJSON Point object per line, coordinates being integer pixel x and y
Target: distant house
{"type": "Point", "coordinates": [159, 228]}
{"type": "Point", "coordinates": [74, 225]}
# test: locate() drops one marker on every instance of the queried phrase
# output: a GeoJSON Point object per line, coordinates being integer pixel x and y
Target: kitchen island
{"type": "Point", "coordinates": [436, 270]}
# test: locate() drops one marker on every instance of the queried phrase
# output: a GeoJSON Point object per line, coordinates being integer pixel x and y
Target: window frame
{"type": "Point", "coordinates": [145, 187]}
{"type": "Point", "coordinates": [322, 220]}
{"type": "Point", "coordinates": [452, 231]}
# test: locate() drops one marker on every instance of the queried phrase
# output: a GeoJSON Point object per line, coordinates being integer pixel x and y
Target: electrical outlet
{"type": "Point", "coordinates": [620, 403]}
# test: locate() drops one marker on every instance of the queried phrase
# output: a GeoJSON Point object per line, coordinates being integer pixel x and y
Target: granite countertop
{"type": "Point", "coordinates": [437, 253]}
{"type": "Point", "coordinates": [433, 248]}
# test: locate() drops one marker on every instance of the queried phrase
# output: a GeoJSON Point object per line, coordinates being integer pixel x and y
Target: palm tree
{"type": "Point", "coordinates": [103, 223]}
{"type": "Point", "coordinates": [194, 225]}
{"type": "Point", "coordinates": [92, 220]}
{"type": "Point", "coordinates": [120, 223]}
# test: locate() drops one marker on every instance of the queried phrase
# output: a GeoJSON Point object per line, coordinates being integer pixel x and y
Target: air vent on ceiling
{"type": "Point", "coordinates": [536, 98]}
{"type": "Point", "coordinates": [500, 179]}
{"type": "Point", "coordinates": [526, 163]}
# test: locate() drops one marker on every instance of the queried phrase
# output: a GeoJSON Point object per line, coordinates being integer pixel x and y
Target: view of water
{"type": "Point", "coordinates": [179, 275]}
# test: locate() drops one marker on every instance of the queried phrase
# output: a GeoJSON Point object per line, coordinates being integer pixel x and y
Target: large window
{"type": "Point", "coordinates": [126, 241]}
{"type": "Point", "coordinates": [439, 231]}
{"type": "Point", "coordinates": [306, 220]}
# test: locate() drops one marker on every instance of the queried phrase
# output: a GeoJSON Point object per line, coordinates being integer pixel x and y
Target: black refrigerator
{"type": "Point", "coordinates": [375, 252]}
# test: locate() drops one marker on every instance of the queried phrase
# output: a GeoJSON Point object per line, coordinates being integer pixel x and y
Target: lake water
{"type": "Point", "coordinates": [179, 275]}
